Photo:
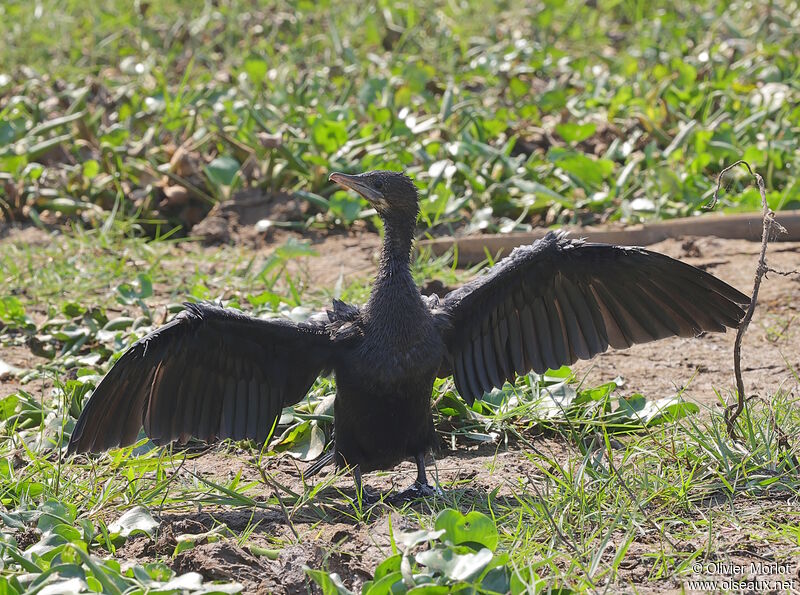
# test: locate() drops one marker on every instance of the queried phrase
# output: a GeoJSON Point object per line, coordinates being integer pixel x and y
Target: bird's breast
{"type": "Point", "coordinates": [383, 360]}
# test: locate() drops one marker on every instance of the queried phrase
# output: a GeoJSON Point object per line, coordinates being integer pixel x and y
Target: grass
{"type": "Point", "coordinates": [607, 491]}
{"type": "Point", "coordinates": [122, 123]}
{"type": "Point", "coordinates": [508, 116]}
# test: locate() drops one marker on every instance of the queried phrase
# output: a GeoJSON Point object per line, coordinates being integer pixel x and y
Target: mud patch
{"type": "Point", "coordinates": [222, 561]}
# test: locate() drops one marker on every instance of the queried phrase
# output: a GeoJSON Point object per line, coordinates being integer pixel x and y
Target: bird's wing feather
{"type": "Point", "coordinates": [559, 300]}
{"type": "Point", "coordinates": [209, 373]}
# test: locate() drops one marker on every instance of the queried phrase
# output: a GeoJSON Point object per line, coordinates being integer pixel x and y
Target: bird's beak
{"type": "Point", "coordinates": [357, 184]}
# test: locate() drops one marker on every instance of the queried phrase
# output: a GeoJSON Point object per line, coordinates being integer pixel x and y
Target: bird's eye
{"type": "Point", "coordinates": [378, 184]}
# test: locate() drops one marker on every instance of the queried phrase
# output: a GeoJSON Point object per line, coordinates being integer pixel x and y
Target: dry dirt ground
{"type": "Point", "coordinates": [330, 537]}
{"type": "Point", "coordinates": [701, 366]}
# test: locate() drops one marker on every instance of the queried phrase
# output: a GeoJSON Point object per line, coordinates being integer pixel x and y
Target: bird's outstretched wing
{"type": "Point", "coordinates": [559, 300]}
{"type": "Point", "coordinates": [209, 373]}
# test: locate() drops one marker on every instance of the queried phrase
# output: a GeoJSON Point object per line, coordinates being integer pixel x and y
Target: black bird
{"type": "Point", "coordinates": [214, 373]}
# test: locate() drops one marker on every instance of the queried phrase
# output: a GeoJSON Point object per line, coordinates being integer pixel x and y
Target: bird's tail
{"type": "Point", "coordinates": [322, 462]}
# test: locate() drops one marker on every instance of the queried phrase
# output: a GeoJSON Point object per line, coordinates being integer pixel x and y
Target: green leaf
{"type": "Point", "coordinates": [430, 590]}
{"type": "Point", "coordinates": [388, 566]}
{"type": "Point", "coordinates": [386, 584]}
{"type": "Point", "coordinates": [668, 409]}
{"type": "Point", "coordinates": [454, 566]}
{"type": "Point", "coordinates": [329, 135]}
{"type": "Point", "coordinates": [413, 538]}
{"type": "Point", "coordinates": [304, 442]}
{"type": "Point", "coordinates": [589, 172]}
{"type": "Point", "coordinates": [633, 406]}
{"type": "Point", "coordinates": [575, 133]}
{"type": "Point", "coordinates": [222, 170]}
{"type": "Point", "coordinates": [13, 312]}
{"type": "Point", "coordinates": [130, 294]}
{"type": "Point", "coordinates": [473, 529]}
{"type": "Point", "coordinates": [91, 168]}
{"type": "Point", "coordinates": [256, 69]}
{"type": "Point", "coordinates": [331, 584]}
{"type": "Point", "coordinates": [345, 206]}
{"type": "Point", "coordinates": [597, 393]}
{"type": "Point", "coordinates": [99, 573]}
{"type": "Point", "coordinates": [55, 513]}
{"type": "Point", "coordinates": [136, 520]}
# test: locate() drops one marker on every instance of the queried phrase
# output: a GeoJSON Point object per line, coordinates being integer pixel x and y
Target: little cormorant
{"type": "Point", "coordinates": [214, 373]}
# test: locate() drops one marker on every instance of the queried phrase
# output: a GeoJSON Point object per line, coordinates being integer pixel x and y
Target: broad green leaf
{"type": "Point", "coordinates": [668, 409]}
{"type": "Point", "coordinates": [346, 206]}
{"type": "Point", "coordinates": [329, 135]}
{"type": "Point", "coordinates": [55, 513]}
{"type": "Point", "coordinates": [256, 69]}
{"type": "Point", "coordinates": [455, 566]}
{"type": "Point", "coordinates": [473, 529]}
{"type": "Point", "coordinates": [331, 584]}
{"type": "Point", "coordinates": [136, 520]}
{"type": "Point", "coordinates": [575, 133]}
{"type": "Point", "coordinates": [222, 170]}
{"type": "Point", "coordinates": [410, 539]}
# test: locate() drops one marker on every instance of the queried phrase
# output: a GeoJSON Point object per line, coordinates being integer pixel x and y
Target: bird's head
{"type": "Point", "coordinates": [391, 193]}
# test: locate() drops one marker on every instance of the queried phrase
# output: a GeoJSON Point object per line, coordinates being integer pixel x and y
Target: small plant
{"type": "Point", "coordinates": [457, 556]}
{"type": "Point", "coordinates": [61, 560]}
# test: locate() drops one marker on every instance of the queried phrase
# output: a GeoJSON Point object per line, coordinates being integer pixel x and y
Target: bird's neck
{"type": "Point", "coordinates": [395, 264]}
{"type": "Point", "coordinates": [394, 286]}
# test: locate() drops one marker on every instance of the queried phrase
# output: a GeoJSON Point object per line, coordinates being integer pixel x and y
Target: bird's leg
{"type": "Point", "coordinates": [364, 494]}
{"type": "Point", "coordinates": [422, 478]}
{"type": "Point", "coordinates": [421, 487]}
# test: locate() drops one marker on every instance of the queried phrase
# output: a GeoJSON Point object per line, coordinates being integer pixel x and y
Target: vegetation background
{"type": "Point", "coordinates": [130, 129]}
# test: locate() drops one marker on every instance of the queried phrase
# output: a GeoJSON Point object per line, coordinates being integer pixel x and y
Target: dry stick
{"type": "Point", "coordinates": [732, 412]}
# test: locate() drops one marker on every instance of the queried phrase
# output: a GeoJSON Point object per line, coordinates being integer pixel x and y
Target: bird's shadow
{"type": "Point", "coordinates": [332, 506]}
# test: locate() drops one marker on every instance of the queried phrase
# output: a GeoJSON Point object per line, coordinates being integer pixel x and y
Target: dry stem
{"type": "Point", "coordinates": [732, 412]}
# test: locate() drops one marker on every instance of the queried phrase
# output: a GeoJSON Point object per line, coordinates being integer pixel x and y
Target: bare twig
{"type": "Point", "coordinates": [784, 273]}
{"type": "Point", "coordinates": [732, 412]}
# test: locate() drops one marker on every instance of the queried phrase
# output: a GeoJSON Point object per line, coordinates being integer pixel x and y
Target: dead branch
{"type": "Point", "coordinates": [769, 225]}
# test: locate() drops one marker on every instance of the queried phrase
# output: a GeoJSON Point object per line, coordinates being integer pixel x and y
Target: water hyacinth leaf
{"type": "Point", "coordinates": [597, 393]}
{"type": "Point", "coordinates": [388, 566]}
{"type": "Point", "coordinates": [305, 442]}
{"type": "Point", "coordinates": [331, 584]}
{"type": "Point", "coordinates": [589, 172]}
{"type": "Point", "coordinates": [430, 589]}
{"type": "Point", "coordinates": [12, 312]}
{"type": "Point", "coordinates": [130, 293]}
{"type": "Point", "coordinates": [387, 584]}
{"type": "Point", "coordinates": [329, 135]}
{"type": "Point", "coordinates": [136, 520]}
{"type": "Point", "coordinates": [413, 538]}
{"type": "Point", "coordinates": [222, 170]}
{"type": "Point", "coordinates": [55, 513]}
{"type": "Point", "coordinates": [345, 206]}
{"type": "Point", "coordinates": [472, 529]}
{"type": "Point", "coordinates": [632, 407]}
{"type": "Point", "coordinates": [67, 586]}
{"type": "Point", "coordinates": [575, 133]}
{"type": "Point", "coordinates": [667, 410]}
{"type": "Point", "coordinates": [256, 69]}
{"type": "Point", "coordinates": [455, 566]}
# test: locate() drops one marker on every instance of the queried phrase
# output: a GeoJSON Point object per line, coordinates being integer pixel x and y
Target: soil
{"type": "Point", "coordinates": [701, 366]}
{"type": "Point", "coordinates": [330, 537]}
